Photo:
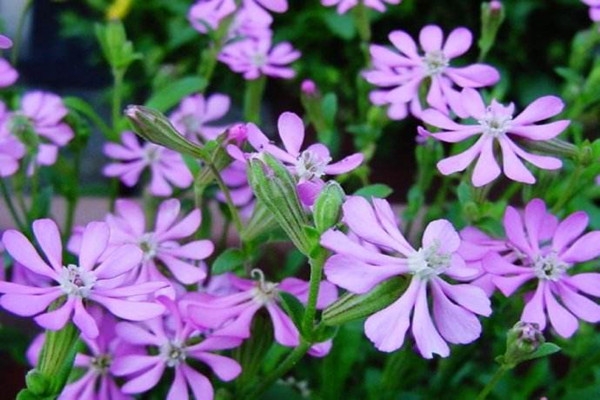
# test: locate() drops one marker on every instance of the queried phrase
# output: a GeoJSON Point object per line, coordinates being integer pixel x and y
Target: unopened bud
{"type": "Point", "coordinates": [273, 185]}
{"type": "Point", "coordinates": [492, 16]}
{"type": "Point", "coordinates": [308, 87]}
{"type": "Point", "coordinates": [327, 207]}
{"type": "Point", "coordinates": [237, 134]}
{"type": "Point", "coordinates": [555, 147]}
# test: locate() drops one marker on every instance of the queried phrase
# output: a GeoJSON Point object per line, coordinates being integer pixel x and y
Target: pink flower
{"type": "Point", "coordinates": [5, 42]}
{"type": "Point", "coordinates": [170, 338]}
{"type": "Point", "coordinates": [91, 280]}
{"type": "Point", "coordinates": [256, 57]}
{"type": "Point", "coordinates": [206, 15]}
{"type": "Point", "coordinates": [161, 246]}
{"type": "Point", "coordinates": [404, 71]}
{"type": "Point", "coordinates": [195, 116]}
{"type": "Point", "coordinates": [11, 149]}
{"type": "Point", "coordinates": [547, 253]}
{"type": "Point", "coordinates": [382, 252]}
{"type": "Point", "coordinates": [496, 123]}
{"type": "Point", "coordinates": [41, 113]}
{"type": "Point", "coordinates": [251, 22]}
{"type": "Point", "coordinates": [232, 315]}
{"type": "Point", "coordinates": [309, 166]}
{"type": "Point", "coordinates": [345, 5]}
{"type": "Point", "coordinates": [8, 75]}
{"type": "Point", "coordinates": [594, 10]}
{"type": "Point", "coordinates": [278, 6]}
{"type": "Point", "coordinates": [167, 168]}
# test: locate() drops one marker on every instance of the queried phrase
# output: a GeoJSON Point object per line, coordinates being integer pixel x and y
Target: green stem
{"type": "Point", "coordinates": [235, 215]}
{"type": "Point", "coordinates": [11, 207]}
{"type": "Point", "coordinates": [287, 364]}
{"type": "Point", "coordinates": [118, 75]}
{"type": "Point", "coordinates": [493, 382]}
{"type": "Point", "coordinates": [316, 275]}
{"type": "Point", "coordinates": [210, 55]}
{"type": "Point", "coordinates": [19, 36]}
{"type": "Point", "coordinates": [570, 190]}
{"type": "Point", "coordinates": [253, 99]}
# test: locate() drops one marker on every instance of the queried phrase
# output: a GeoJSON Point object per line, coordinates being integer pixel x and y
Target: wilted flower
{"type": "Point", "coordinates": [385, 253]}
{"type": "Point", "coordinates": [495, 123]}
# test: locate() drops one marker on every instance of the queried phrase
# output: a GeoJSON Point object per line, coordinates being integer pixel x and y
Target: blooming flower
{"type": "Point", "coordinates": [278, 6]}
{"type": "Point", "coordinates": [161, 247]}
{"type": "Point", "coordinates": [403, 72]}
{"type": "Point", "coordinates": [205, 15]}
{"type": "Point", "coordinates": [232, 315]}
{"type": "Point", "coordinates": [309, 165]}
{"type": "Point", "coordinates": [345, 5]}
{"type": "Point", "coordinates": [358, 268]}
{"type": "Point", "coordinates": [256, 57]}
{"type": "Point", "coordinates": [496, 123]}
{"type": "Point", "coordinates": [11, 149]}
{"type": "Point", "coordinates": [8, 75]}
{"type": "Point", "coordinates": [167, 167]}
{"type": "Point", "coordinates": [594, 9]}
{"type": "Point", "coordinates": [171, 338]}
{"type": "Point", "coordinates": [546, 254]}
{"type": "Point", "coordinates": [91, 280]}
{"type": "Point", "coordinates": [39, 125]}
{"type": "Point", "coordinates": [195, 116]}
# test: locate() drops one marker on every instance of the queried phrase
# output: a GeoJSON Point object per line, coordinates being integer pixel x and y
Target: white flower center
{"type": "Point", "coordinates": [149, 246]}
{"type": "Point", "coordinates": [310, 165]}
{"type": "Point", "coordinates": [191, 124]}
{"type": "Point", "coordinates": [151, 154]}
{"type": "Point", "coordinates": [101, 363]}
{"type": "Point", "coordinates": [428, 262]}
{"type": "Point", "coordinates": [265, 291]}
{"type": "Point", "coordinates": [549, 267]}
{"type": "Point", "coordinates": [76, 282]}
{"type": "Point", "coordinates": [173, 353]}
{"type": "Point", "coordinates": [259, 60]}
{"type": "Point", "coordinates": [494, 124]}
{"type": "Point", "coordinates": [435, 62]}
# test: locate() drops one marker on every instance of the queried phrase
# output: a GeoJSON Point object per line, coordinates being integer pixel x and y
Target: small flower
{"type": "Point", "coordinates": [232, 315]}
{"type": "Point", "coordinates": [92, 279]}
{"type": "Point", "coordinates": [256, 57]}
{"type": "Point", "coordinates": [308, 166]}
{"type": "Point", "coordinates": [175, 345]}
{"type": "Point", "coordinates": [404, 71]}
{"type": "Point", "coordinates": [161, 246]}
{"type": "Point", "coordinates": [546, 253]}
{"type": "Point", "coordinates": [167, 167]}
{"type": "Point", "coordinates": [206, 15]}
{"type": "Point", "coordinates": [495, 123]}
{"type": "Point", "coordinates": [195, 116]}
{"type": "Point", "coordinates": [344, 5]}
{"type": "Point", "coordinates": [382, 252]}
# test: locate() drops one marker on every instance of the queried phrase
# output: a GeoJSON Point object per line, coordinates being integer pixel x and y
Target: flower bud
{"type": "Point", "coordinates": [327, 207]}
{"type": "Point", "coordinates": [492, 16]}
{"type": "Point", "coordinates": [522, 341]}
{"type": "Point", "coordinates": [272, 184]}
{"type": "Point", "coordinates": [308, 87]}
{"type": "Point", "coordinates": [37, 383]}
{"type": "Point", "coordinates": [153, 126]}
{"type": "Point", "coordinates": [554, 147]}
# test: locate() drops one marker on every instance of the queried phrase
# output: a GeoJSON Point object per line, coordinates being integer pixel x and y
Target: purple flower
{"type": "Point", "coordinates": [11, 149]}
{"type": "Point", "coordinates": [232, 315]}
{"type": "Point", "coordinates": [8, 75]}
{"type": "Point", "coordinates": [91, 280]}
{"type": "Point", "coordinates": [174, 343]}
{"type": "Point", "coordinates": [309, 165]}
{"type": "Point", "coordinates": [382, 252]}
{"type": "Point", "coordinates": [546, 254]}
{"type": "Point", "coordinates": [496, 123]}
{"type": "Point", "coordinates": [195, 116]}
{"type": "Point", "coordinates": [205, 15]}
{"type": "Point", "coordinates": [251, 22]}
{"type": "Point", "coordinates": [256, 57]}
{"type": "Point", "coordinates": [278, 6]}
{"type": "Point", "coordinates": [42, 114]}
{"type": "Point", "coordinates": [161, 246]}
{"type": "Point", "coordinates": [5, 42]}
{"type": "Point", "coordinates": [404, 71]}
{"type": "Point", "coordinates": [594, 10]}
{"type": "Point", "coordinates": [167, 168]}
{"type": "Point", "coordinates": [345, 5]}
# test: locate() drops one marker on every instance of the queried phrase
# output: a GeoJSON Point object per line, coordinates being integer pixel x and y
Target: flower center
{"type": "Point", "coordinates": [152, 153]}
{"type": "Point", "coordinates": [310, 165]}
{"type": "Point", "coordinates": [495, 124]}
{"type": "Point", "coordinates": [549, 267]}
{"type": "Point", "coordinates": [174, 353]}
{"type": "Point", "coordinates": [435, 62]}
{"type": "Point", "coordinates": [265, 291]}
{"type": "Point", "coordinates": [428, 262]}
{"type": "Point", "coordinates": [191, 124]}
{"type": "Point", "coordinates": [259, 60]}
{"type": "Point", "coordinates": [76, 282]}
{"type": "Point", "coordinates": [101, 363]}
{"type": "Point", "coordinates": [149, 246]}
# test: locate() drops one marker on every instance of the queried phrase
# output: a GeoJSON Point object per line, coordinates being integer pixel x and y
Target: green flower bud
{"type": "Point", "coordinates": [350, 307]}
{"type": "Point", "coordinates": [326, 211]}
{"type": "Point", "coordinates": [37, 383]}
{"type": "Point", "coordinates": [555, 147]}
{"type": "Point", "coordinates": [272, 184]}
{"type": "Point", "coordinates": [492, 16]}
{"type": "Point", "coordinates": [525, 341]}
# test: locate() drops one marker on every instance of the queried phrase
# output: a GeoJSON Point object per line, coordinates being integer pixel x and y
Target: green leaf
{"type": "Point", "coordinates": [340, 25]}
{"type": "Point", "coordinates": [172, 94]}
{"type": "Point", "coordinates": [378, 190]}
{"type": "Point", "coordinates": [293, 308]}
{"type": "Point", "coordinates": [544, 350]}
{"type": "Point", "coordinates": [329, 107]}
{"type": "Point", "coordinates": [228, 261]}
